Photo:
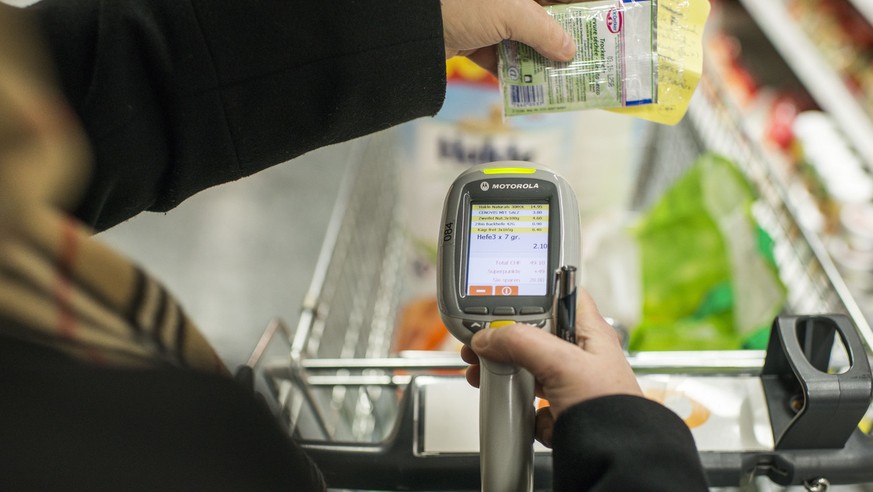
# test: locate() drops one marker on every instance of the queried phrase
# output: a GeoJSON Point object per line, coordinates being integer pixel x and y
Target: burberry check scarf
{"type": "Point", "coordinates": [61, 288]}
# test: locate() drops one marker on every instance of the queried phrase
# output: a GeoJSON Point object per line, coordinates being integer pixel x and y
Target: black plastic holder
{"type": "Point", "coordinates": [809, 407]}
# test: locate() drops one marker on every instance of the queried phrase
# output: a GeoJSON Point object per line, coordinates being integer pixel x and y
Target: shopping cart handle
{"type": "Point", "coordinates": [848, 465]}
{"type": "Point", "coordinates": [396, 464]}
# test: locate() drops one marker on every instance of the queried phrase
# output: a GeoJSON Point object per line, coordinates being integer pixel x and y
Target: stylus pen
{"type": "Point", "coordinates": [565, 303]}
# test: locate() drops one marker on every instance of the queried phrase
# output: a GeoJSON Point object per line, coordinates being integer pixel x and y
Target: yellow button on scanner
{"type": "Point", "coordinates": [509, 170]}
{"type": "Point", "coordinates": [501, 323]}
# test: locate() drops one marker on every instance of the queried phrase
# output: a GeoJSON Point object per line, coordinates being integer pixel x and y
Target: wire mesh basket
{"type": "Point", "coordinates": [341, 384]}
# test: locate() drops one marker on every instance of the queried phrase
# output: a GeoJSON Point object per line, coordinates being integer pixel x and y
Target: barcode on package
{"type": "Point", "coordinates": [521, 96]}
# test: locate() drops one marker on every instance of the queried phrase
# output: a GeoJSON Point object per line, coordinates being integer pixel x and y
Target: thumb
{"type": "Point", "coordinates": [533, 26]}
{"type": "Point", "coordinates": [526, 346]}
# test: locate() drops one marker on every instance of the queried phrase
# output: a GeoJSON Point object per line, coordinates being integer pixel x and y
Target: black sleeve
{"type": "Point", "coordinates": [624, 443]}
{"type": "Point", "coordinates": [180, 95]}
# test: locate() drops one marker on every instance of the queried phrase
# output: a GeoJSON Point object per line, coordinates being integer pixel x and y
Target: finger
{"type": "Point", "coordinates": [592, 331]}
{"type": "Point", "coordinates": [473, 375]}
{"type": "Point", "coordinates": [536, 350]}
{"type": "Point", "coordinates": [530, 24]}
{"type": "Point", "coordinates": [468, 356]}
{"type": "Point", "coordinates": [539, 392]}
{"type": "Point", "coordinates": [485, 58]}
{"type": "Point", "coordinates": [544, 427]}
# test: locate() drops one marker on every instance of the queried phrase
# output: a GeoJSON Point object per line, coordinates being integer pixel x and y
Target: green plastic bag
{"type": "Point", "coordinates": [709, 281]}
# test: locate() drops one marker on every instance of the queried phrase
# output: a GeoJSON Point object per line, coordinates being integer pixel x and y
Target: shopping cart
{"type": "Point", "coordinates": [372, 421]}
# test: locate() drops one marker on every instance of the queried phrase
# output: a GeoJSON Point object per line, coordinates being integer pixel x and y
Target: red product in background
{"type": "Point", "coordinates": [725, 51]}
{"type": "Point", "coordinates": [783, 111]}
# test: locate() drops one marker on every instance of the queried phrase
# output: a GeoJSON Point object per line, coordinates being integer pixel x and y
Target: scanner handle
{"type": "Point", "coordinates": [506, 427]}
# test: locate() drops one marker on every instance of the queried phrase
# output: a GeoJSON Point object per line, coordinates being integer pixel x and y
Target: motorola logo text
{"type": "Point", "coordinates": [515, 186]}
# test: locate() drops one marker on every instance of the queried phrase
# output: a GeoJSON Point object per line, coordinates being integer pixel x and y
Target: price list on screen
{"type": "Point", "coordinates": [509, 249]}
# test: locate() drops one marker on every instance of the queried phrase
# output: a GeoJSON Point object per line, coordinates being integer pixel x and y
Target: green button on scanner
{"type": "Point", "coordinates": [501, 323]}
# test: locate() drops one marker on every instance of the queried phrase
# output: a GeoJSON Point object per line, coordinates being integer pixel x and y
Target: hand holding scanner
{"type": "Point", "coordinates": [507, 228]}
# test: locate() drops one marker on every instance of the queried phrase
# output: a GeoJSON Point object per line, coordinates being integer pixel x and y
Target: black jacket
{"type": "Point", "coordinates": [180, 95]}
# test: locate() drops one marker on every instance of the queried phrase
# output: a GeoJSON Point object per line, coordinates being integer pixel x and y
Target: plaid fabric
{"type": "Point", "coordinates": [61, 288]}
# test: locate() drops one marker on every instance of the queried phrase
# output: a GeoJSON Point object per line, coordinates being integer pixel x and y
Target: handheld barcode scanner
{"type": "Point", "coordinates": [507, 227]}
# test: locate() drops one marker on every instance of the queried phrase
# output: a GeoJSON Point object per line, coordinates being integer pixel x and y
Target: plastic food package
{"type": "Point", "coordinates": [695, 271]}
{"type": "Point", "coordinates": [615, 64]}
{"type": "Point", "coordinates": [639, 57]}
{"type": "Point", "coordinates": [708, 273]}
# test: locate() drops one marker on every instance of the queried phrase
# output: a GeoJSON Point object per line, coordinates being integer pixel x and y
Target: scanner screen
{"type": "Point", "coordinates": [508, 249]}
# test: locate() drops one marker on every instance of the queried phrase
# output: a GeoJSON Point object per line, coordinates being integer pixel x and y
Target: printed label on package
{"type": "Point", "coordinates": [615, 64]}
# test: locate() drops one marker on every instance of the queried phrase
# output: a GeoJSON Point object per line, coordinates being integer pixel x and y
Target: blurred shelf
{"type": "Point", "coordinates": [822, 82]}
{"type": "Point", "coordinates": [725, 128]}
